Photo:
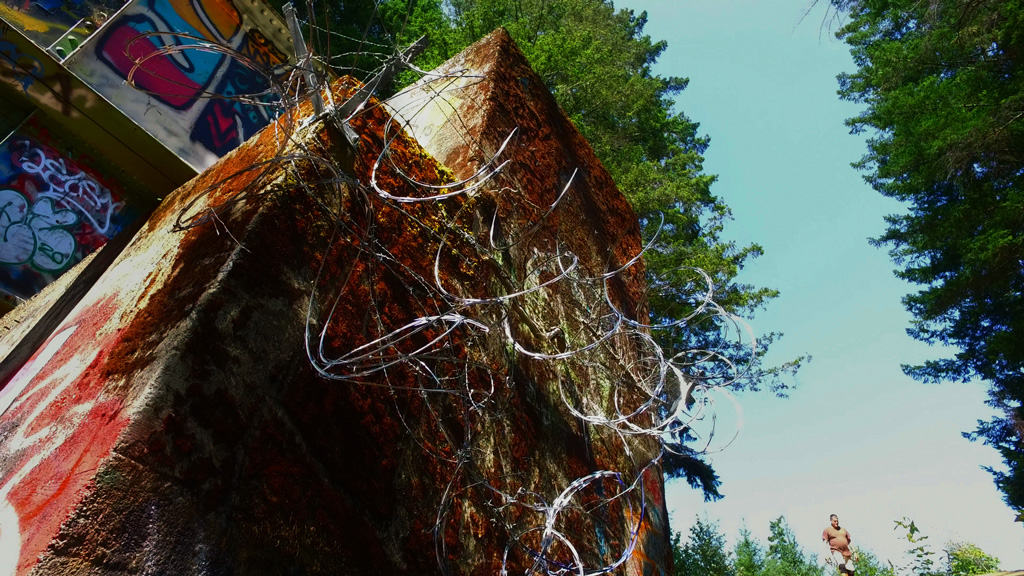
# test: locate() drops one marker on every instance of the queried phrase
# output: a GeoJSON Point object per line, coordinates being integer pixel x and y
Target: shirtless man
{"type": "Point", "coordinates": [838, 540]}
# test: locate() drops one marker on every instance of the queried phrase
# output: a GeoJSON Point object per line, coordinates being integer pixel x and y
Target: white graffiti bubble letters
{"type": "Point", "coordinates": [55, 246]}
{"type": "Point", "coordinates": [35, 234]}
{"type": "Point", "coordinates": [17, 242]}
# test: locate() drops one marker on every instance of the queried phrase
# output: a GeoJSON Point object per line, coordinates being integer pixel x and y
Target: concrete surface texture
{"type": "Point", "coordinates": [327, 356]}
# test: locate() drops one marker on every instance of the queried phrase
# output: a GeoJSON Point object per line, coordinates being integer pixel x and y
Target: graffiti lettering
{"type": "Point", "coordinates": [176, 79]}
{"type": "Point", "coordinates": [217, 128]}
{"type": "Point", "coordinates": [261, 50]}
{"type": "Point", "coordinates": [157, 45]}
{"type": "Point", "coordinates": [72, 188]}
{"type": "Point", "coordinates": [225, 122]}
{"type": "Point", "coordinates": [52, 213]}
{"type": "Point", "coordinates": [39, 237]}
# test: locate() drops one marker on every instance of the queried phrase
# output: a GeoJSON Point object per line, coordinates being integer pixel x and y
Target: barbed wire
{"type": "Point", "coordinates": [489, 293]}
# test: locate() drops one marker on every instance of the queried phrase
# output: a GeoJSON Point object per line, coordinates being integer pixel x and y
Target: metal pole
{"type": "Point", "coordinates": [302, 58]}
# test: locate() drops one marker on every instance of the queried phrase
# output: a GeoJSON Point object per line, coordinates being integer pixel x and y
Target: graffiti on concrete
{"type": "Point", "coordinates": [66, 425]}
{"type": "Point", "coordinates": [53, 212]}
{"type": "Point", "coordinates": [226, 122]}
{"type": "Point", "coordinates": [68, 184]}
{"type": "Point", "coordinates": [36, 234]}
{"type": "Point", "coordinates": [206, 69]}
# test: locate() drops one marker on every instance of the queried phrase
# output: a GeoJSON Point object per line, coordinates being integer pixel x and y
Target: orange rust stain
{"type": "Point", "coordinates": [411, 234]}
{"type": "Point", "coordinates": [650, 534]}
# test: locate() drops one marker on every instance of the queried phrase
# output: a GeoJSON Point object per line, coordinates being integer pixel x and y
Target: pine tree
{"type": "Point", "coordinates": [704, 553]}
{"type": "Point", "coordinates": [748, 555]}
{"type": "Point", "coordinates": [943, 88]}
{"type": "Point", "coordinates": [785, 557]}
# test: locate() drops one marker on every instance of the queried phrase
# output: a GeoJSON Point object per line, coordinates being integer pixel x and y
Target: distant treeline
{"type": "Point", "coordinates": [705, 553]}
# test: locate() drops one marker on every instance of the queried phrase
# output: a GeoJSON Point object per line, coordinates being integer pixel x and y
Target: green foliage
{"type": "Point", "coordinates": [785, 557]}
{"type": "Point", "coordinates": [962, 558]}
{"type": "Point", "coordinates": [966, 559]}
{"type": "Point", "coordinates": [748, 555]}
{"type": "Point", "coordinates": [684, 462]}
{"type": "Point", "coordinates": [345, 35]}
{"type": "Point", "coordinates": [869, 565]}
{"type": "Point", "coordinates": [922, 561]}
{"type": "Point", "coordinates": [704, 554]}
{"type": "Point", "coordinates": [597, 62]}
{"type": "Point", "coordinates": [943, 91]}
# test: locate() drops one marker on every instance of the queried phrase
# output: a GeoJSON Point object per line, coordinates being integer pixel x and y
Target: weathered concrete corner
{"type": "Point", "coordinates": [463, 112]}
{"type": "Point", "coordinates": [487, 99]}
{"type": "Point", "coordinates": [320, 359]}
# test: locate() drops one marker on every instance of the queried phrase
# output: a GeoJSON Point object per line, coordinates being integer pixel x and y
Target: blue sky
{"type": "Point", "coordinates": [856, 437]}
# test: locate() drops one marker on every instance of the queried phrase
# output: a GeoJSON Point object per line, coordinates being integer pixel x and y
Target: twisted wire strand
{"type": "Point", "coordinates": [456, 344]}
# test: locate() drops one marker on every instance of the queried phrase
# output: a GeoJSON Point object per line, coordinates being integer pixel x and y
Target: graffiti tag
{"type": "Point", "coordinates": [72, 187]}
{"type": "Point", "coordinates": [52, 213]}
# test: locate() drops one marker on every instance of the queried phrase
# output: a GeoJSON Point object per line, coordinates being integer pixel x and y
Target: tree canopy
{"type": "Point", "coordinates": [704, 552]}
{"type": "Point", "coordinates": [748, 555]}
{"type": "Point", "coordinates": [943, 91]}
{"type": "Point", "coordinates": [785, 557]}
